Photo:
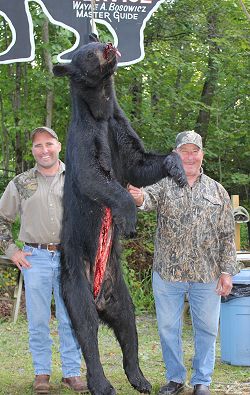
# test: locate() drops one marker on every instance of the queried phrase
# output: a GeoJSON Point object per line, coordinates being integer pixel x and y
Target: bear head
{"type": "Point", "coordinates": [91, 64]}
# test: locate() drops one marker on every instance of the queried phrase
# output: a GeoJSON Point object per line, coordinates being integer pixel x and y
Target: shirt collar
{"type": "Point", "coordinates": [60, 170]}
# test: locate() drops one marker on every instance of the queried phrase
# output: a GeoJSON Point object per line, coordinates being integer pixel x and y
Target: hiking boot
{"type": "Point", "coordinates": [41, 384]}
{"type": "Point", "coordinates": [172, 388]}
{"type": "Point", "coordinates": [75, 383]}
{"type": "Point", "coordinates": [200, 389]}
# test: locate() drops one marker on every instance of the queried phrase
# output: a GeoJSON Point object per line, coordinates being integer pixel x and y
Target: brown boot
{"type": "Point", "coordinates": [76, 384]}
{"type": "Point", "coordinates": [41, 384]}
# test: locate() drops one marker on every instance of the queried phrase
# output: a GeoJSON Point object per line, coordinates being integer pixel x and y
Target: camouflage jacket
{"type": "Point", "coordinates": [195, 230]}
{"type": "Point", "coordinates": [38, 201]}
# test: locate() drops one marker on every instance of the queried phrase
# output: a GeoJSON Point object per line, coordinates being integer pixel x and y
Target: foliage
{"type": "Point", "coordinates": [137, 260]}
{"type": "Point", "coordinates": [162, 94]}
{"type": "Point", "coordinates": [244, 240]}
{"type": "Point", "coordinates": [3, 183]}
{"type": "Point", "coordinates": [7, 279]}
{"type": "Point", "coordinates": [140, 289]}
{"type": "Point", "coordinates": [177, 51]}
{"type": "Point", "coordinates": [177, 46]}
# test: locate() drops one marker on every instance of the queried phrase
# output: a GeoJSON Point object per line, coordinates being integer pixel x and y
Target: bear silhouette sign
{"type": "Point", "coordinates": [125, 19]}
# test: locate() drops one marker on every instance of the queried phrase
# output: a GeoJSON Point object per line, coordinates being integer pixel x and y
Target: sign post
{"type": "Point", "coordinates": [236, 202]}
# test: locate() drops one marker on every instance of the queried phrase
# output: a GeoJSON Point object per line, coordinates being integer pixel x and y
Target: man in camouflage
{"type": "Point", "coordinates": [36, 195]}
{"type": "Point", "coordinates": [195, 256]}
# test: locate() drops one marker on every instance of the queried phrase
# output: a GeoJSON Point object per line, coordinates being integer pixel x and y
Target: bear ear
{"type": "Point", "coordinates": [93, 37]}
{"type": "Point", "coordinates": [62, 70]}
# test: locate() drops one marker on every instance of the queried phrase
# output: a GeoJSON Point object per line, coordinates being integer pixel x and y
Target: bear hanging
{"type": "Point", "coordinates": [103, 155]}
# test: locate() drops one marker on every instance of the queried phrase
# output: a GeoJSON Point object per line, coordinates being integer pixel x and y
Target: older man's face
{"type": "Point", "coordinates": [191, 156]}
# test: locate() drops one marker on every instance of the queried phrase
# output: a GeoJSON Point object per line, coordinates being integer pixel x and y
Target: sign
{"type": "Point", "coordinates": [125, 19]}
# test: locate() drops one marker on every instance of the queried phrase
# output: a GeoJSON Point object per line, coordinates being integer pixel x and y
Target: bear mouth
{"type": "Point", "coordinates": [110, 53]}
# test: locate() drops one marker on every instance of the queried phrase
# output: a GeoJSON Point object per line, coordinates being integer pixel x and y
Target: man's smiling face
{"type": "Point", "coordinates": [192, 157]}
{"type": "Point", "coordinates": [45, 150]}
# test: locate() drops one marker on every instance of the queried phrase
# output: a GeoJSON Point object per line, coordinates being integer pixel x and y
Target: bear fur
{"type": "Point", "coordinates": [103, 155]}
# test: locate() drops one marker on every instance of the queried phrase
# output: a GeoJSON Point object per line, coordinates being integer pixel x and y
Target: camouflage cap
{"type": "Point", "coordinates": [42, 129]}
{"type": "Point", "coordinates": [188, 137]}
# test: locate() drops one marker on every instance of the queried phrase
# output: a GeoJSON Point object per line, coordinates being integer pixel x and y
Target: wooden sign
{"type": "Point", "coordinates": [125, 19]}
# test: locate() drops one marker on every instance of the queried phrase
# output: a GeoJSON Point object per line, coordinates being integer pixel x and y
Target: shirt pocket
{"type": "Point", "coordinates": [213, 200]}
{"type": "Point", "coordinates": [212, 210]}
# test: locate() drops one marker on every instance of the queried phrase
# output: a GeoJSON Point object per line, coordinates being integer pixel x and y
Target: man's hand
{"type": "Point", "coordinates": [137, 194]}
{"type": "Point", "coordinates": [19, 259]}
{"type": "Point", "coordinates": [224, 285]}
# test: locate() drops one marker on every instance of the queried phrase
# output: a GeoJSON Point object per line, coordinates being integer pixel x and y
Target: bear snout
{"type": "Point", "coordinates": [110, 51]}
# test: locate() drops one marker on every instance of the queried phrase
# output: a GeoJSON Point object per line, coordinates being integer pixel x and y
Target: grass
{"type": "Point", "coordinates": [16, 371]}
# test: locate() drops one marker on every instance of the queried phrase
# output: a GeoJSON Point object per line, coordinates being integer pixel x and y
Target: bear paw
{"type": "Point", "coordinates": [125, 219]}
{"type": "Point", "coordinates": [140, 384]}
{"type": "Point", "coordinates": [173, 168]}
{"type": "Point", "coordinates": [106, 389]}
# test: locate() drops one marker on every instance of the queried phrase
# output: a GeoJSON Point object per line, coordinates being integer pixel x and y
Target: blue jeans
{"type": "Point", "coordinates": [41, 281]}
{"type": "Point", "coordinates": [204, 309]}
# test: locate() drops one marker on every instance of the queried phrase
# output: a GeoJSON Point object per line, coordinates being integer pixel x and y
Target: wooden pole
{"type": "Point", "coordinates": [236, 202]}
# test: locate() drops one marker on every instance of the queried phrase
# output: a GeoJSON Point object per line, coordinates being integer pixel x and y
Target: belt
{"type": "Point", "coordinates": [48, 247]}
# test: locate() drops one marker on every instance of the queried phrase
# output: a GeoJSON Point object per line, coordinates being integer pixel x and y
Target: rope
{"type": "Point", "coordinates": [93, 25]}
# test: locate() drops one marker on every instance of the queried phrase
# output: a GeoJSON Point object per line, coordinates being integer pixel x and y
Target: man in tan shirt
{"type": "Point", "coordinates": [36, 195]}
{"type": "Point", "coordinates": [195, 256]}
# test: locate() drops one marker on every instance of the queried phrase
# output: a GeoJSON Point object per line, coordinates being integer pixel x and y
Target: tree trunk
{"type": "Point", "coordinates": [48, 66]}
{"type": "Point", "coordinates": [16, 103]}
{"type": "Point", "coordinates": [5, 141]}
{"type": "Point", "coordinates": [209, 86]}
{"type": "Point", "coordinates": [244, 9]}
{"type": "Point", "coordinates": [26, 135]}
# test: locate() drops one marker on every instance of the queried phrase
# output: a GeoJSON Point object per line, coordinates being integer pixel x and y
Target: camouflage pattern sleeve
{"type": "Point", "coordinates": [228, 262]}
{"type": "Point", "coordinates": [152, 195]}
{"type": "Point", "coordinates": [9, 208]}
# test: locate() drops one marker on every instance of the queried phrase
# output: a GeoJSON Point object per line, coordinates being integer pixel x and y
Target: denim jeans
{"type": "Point", "coordinates": [41, 281]}
{"type": "Point", "coordinates": [204, 309]}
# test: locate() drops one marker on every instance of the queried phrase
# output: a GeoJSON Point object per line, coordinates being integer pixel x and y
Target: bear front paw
{"type": "Point", "coordinates": [173, 168]}
{"type": "Point", "coordinates": [125, 221]}
{"type": "Point", "coordinates": [126, 227]}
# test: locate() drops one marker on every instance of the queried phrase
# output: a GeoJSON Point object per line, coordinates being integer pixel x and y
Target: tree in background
{"type": "Point", "coordinates": [195, 75]}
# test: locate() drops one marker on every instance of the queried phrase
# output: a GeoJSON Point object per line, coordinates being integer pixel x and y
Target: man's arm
{"type": "Point", "coordinates": [9, 208]}
{"type": "Point", "coordinates": [228, 258]}
{"type": "Point", "coordinates": [146, 198]}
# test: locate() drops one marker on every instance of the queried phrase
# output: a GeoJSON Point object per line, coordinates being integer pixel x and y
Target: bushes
{"type": "Point", "coordinates": [137, 260]}
{"type": "Point", "coordinates": [3, 183]}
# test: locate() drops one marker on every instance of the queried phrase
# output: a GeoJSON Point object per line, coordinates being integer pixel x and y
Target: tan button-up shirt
{"type": "Point", "coordinates": [38, 201]}
{"type": "Point", "coordinates": [195, 230]}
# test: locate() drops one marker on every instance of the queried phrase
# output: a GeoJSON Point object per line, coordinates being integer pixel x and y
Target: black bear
{"type": "Point", "coordinates": [103, 155]}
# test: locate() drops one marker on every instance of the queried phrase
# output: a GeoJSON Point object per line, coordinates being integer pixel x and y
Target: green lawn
{"type": "Point", "coordinates": [16, 372]}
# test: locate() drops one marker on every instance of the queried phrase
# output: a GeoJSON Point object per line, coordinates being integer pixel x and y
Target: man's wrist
{"type": "Point", "coordinates": [226, 273]}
